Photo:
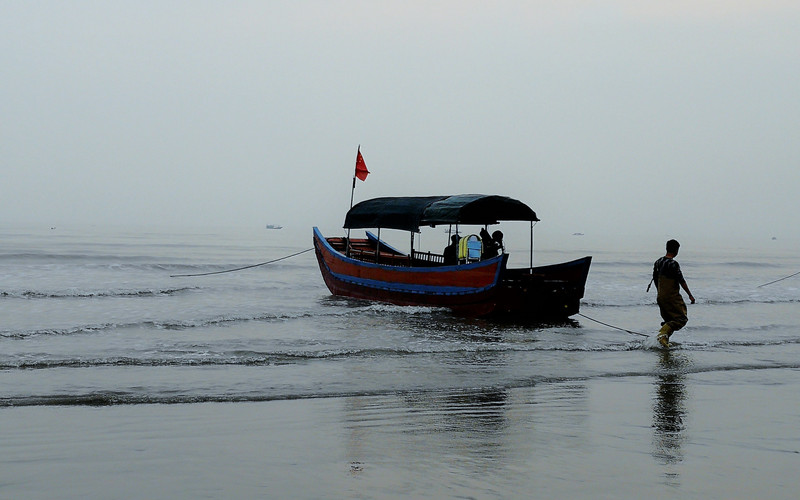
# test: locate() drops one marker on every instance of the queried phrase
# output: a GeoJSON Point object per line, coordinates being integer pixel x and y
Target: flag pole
{"type": "Point", "coordinates": [353, 189]}
{"type": "Point", "coordinates": [352, 193]}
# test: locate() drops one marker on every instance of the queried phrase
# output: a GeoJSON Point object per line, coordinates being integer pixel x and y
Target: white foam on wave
{"type": "Point", "coordinates": [391, 308]}
{"type": "Point", "coordinates": [651, 342]}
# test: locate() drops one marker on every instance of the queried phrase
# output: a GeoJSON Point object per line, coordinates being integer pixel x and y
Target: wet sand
{"type": "Point", "coordinates": [716, 434]}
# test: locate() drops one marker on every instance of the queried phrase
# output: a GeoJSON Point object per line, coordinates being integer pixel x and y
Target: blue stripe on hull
{"type": "Point", "coordinates": [411, 288]}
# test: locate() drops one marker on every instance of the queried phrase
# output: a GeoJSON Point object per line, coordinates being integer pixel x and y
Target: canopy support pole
{"type": "Point", "coordinates": [378, 246]}
{"type": "Point", "coordinates": [532, 246]}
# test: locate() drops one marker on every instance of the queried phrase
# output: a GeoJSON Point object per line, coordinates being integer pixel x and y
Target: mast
{"type": "Point", "coordinates": [347, 242]}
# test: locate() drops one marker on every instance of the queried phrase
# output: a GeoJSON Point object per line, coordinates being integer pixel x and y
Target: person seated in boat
{"type": "Point", "coordinates": [451, 251]}
{"type": "Point", "coordinates": [486, 243]}
{"type": "Point", "coordinates": [492, 244]}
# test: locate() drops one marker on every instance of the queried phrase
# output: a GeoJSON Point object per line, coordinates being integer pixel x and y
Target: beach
{"type": "Point", "coordinates": [729, 434]}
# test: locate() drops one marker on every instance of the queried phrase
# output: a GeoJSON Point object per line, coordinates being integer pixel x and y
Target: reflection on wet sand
{"type": "Point", "coordinates": [478, 432]}
{"type": "Point", "coordinates": [669, 413]}
{"type": "Point", "coordinates": [473, 430]}
{"type": "Point", "coordinates": [468, 424]}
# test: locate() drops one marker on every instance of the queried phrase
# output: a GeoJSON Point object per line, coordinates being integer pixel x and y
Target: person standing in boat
{"type": "Point", "coordinates": [668, 278]}
{"type": "Point", "coordinates": [451, 251]}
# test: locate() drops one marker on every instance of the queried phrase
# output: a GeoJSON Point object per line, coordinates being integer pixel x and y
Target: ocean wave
{"type": "Point", "coordinates": [158, 325]}
{"type": "Point", "coordinates": [693, 344]}
{"type": "Point", "coordinates": [142, 397]}
{"type": "Point", "coordinates": [94, 261]}
{"type": "Point", "coordinates": [132, 263]}
{"type": "Point", "coordinates": [204, 358]}
{"type": "Point", "coordinates": [599, 303]}
{"type": "Point", "coordinates": [255, 358]}
{"type": "Point", "coordinates": [238, 358]}
{"type": "Point", "coordinates": [120, 398]}
{"type": "Point", "coordinates": [66, 257]}
{"type": "Point", "coordinates": [753, 300]}
{"type": "Point", "coordinates": [381, 307]}
{"type": "Point", "coordinates": [174, 324]}
{"type": "Point", "coordinates": [280, 357]}
{"type": "Point", "coordinates": [596, 303]}
{"type": "Point", "coordinates": [746, 264]}
{"type": "Point", "coordinates": [126, 361]}
{"type": "Point", "coordinates": [78, 294]}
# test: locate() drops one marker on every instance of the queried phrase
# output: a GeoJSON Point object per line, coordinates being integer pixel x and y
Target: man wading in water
{"type": "Point", "coordinates": [667, 277]}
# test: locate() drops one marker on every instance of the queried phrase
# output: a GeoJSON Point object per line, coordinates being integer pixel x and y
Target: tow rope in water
{"type": "Point", "coordinates": [241, 268]}
{"type": "Point", "coordinates": [612, 326]}
{"type": "Point", "coordinates": [781, 279]}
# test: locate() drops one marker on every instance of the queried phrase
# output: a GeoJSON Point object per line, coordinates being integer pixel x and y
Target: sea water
{"type": "Point", "coordinates": [119, 379]}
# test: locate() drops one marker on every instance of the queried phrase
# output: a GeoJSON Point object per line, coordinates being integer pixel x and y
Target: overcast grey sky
{"type": "Point", "coordinates": [619, 117]}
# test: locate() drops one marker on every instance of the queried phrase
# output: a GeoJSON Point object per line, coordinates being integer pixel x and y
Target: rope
{"type": "Point", "coordinates": [785, 277]}
{"type": "Point", "coordinates": [240, 268]}
{"type": "Point", "coordinates": [612, 326]}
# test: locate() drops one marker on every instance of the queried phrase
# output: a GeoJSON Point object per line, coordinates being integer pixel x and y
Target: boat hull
{"type": "Point", "coordinates": [545, 292]}
{"type": "Point", "coordinates": [485, 288]}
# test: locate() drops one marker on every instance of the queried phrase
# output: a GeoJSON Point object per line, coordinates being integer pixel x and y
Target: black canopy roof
{"type": "Point", "coordinates": [410, 212]}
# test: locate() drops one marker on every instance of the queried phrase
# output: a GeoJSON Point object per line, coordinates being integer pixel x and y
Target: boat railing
{"type": "Point", "coordinates": [427, 258]}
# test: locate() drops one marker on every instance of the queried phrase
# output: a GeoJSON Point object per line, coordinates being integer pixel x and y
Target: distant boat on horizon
{"type": "Point", "coordinates": [274, 226]}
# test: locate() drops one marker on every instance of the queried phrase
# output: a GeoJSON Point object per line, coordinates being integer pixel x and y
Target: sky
{"type": "Point", "coordinates": [677, 118]}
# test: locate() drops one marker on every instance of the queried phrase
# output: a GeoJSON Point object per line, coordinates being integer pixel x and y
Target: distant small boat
{"type": "Point", "coordinates": [371, 269]}
{"type": "Point", "coordinates": [274, 226]}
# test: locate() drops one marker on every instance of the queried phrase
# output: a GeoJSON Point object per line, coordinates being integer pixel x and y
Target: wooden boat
{"type": "Point", "coordinates": [370, 269]}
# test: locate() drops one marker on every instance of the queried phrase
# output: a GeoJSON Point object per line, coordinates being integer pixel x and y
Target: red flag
{"type": "Point", "coordinates": [361, 166]}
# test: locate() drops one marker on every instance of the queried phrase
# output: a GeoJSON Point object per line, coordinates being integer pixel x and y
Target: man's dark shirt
{"type": "Point", "coordinates": [669, 268]}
